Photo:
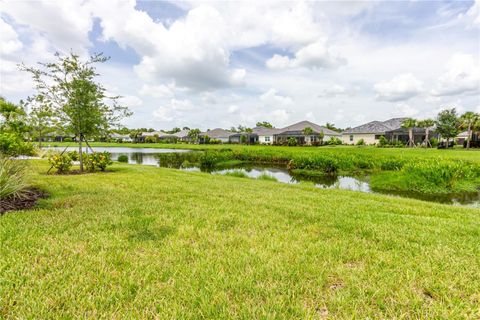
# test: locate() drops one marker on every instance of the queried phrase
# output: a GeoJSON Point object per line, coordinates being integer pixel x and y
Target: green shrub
{"type": "Point", "coordinates": [334, 141]}
{"type": "Point", "coordinates": [292, 141]}
{"type": "Point", "coordinates": [12, 144]}
{"type": "Point", "coordinates": [150, 139]}
{"type": "Point", "coordinates": [61, 162]}
{"type": "Point", "coordinates": [434, 142]}
{"type": "Point", "coordinates": [67, 139]}
{"type": "Point", "coordinates": [12, 179]}
{"type": "Point", "coordinates": [361, 142]}
{"type": "Point", "coordinates": [122, 158]}
{"type": "Point", "coordinates": [73, 155]}
{"type": "Point", "coordinates": [97, 160]}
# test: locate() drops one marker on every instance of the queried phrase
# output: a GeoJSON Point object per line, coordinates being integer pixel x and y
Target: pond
{"type": "Point", "coordinates": [152, 156]}
{"type": "Point", "coordinates": [147, 156]}
{"type": "Point", "coordinates": [357, 183]}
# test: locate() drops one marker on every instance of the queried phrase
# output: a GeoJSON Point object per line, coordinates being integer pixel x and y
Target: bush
{"type": "Point", "coordinates": [12, 179]}
{"type": "Point", "coordinates": [150, 139]}
{"type": "Point", "coordinates": [73, 155]}
{"type": "Point", "coordinates": [61, 162]}
{"type": "Point", "coordinates": [97, 160]}
{"type": "Point", "coordinates": [67, 139]}
{"type": "Point", "coordinates": [122, 158]}
{"type": "Point", "coordinates": [361, 142]}
{"type": "Point", "coordinates": [292, 141]}
{"type": "Point", "coordinates": [13, 145]}
{"type": "Point", "coordinates": [334, 141]}
{"type": "Point", "coordinates": [434, 142]}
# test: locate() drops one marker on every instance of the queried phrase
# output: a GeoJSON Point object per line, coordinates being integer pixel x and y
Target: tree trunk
{"type": "Point", "coordinates": [411, 143]}
{"type": "Point", "coordinates": [427, 140]}
{"type": "Point", "coordinates": [448, 142]}
{"type": "Point", "coordinates": [469, 136]}
{"type": "Point", "coordinates": [40, 140]}
{"type": "Point", "coordinates": [80, 153]}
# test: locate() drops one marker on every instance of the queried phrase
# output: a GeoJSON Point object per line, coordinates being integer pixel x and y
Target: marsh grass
{"type": "Point", "coordinates": [266, 176]}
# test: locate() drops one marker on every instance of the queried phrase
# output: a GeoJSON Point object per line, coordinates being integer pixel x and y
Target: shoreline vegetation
{"type": "Point", "coordinates": [143, 240]}
{"type": "Point", "coordinates": [426, 171]}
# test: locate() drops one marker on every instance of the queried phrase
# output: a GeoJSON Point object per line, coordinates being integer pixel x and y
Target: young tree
{"type": "Point", "coordinates": [321, 135]}
{"type": "Point", "coordinates": [447, 124]}
{"type": "Point", "coordinates": [194, 135]}
{"type": "Point", "coordinates": [307, 131]}
{"type": "Point", "coordinates": [468, 121]}
{"type": "Point", "coordinates": [426, 124]}
{"type": "Point", "coordinates": [265, 124]}
{"type": "Point", "coordinates": [410, 124]}
{"type": "Point", "coordinates": [80, 103]}
{"type": "Point", "coordinates": [40, 117]}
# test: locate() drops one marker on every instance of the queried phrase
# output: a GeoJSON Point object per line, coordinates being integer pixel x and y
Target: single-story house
{"type": "Point", "coordinates": [121, 137]}
{"type": "Point", "coordinates": [297, 131]}
{"type": "Point", "coordinates": [182, 135]}
{"type": "Point", "coordinates": [218, 134]}
{"type": "Point", "coordinates": [265, 135]}
{"type": "Point", "coordinates": [461, 137]}
{"type": "Point", "coordinates": [243, 137]}
{"type": "Point", "coordinates": [372, 131]}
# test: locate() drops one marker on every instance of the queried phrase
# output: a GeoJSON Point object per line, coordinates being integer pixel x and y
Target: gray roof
{"type": "Point", "coordinates": [182, 134]}
{"type": "Point", "coordinates": [299, 126]}
{"type": "Point", "coordinates": [263, 131]}
{"type": "Point", "coordinates": [217, 133]}
{"type": "Point", "coordinates": [377, 126]}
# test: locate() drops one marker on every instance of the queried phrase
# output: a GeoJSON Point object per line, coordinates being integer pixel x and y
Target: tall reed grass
{"type": "Point", "coordinates": [13, 180]}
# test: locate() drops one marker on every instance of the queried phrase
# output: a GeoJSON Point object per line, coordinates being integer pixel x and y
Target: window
{"type": "Point", "coordinates": [267, 139]}
{"type": "Point", "coordinates": [351, 137]}
{"type": "Point", "coordinates": [377, 136]}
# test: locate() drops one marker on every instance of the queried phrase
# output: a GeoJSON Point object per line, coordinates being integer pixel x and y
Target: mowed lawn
{"type": "Point", "coordinates": [145, 242]}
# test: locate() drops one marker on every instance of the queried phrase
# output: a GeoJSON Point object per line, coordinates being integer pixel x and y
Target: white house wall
{"type": "Point", "coordinates": [262, 140]}
{"type": "Point", "coordinates": [369, 138]}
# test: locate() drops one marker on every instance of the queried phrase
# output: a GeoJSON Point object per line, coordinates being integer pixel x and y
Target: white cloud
{"type": "Point", "coordinates": [54, 19]}
{"type": "Point", "coordinates": [271, 98]}
{"type": "Point", "coordinates": [233, 108]}
{"type": "Point", "coordinates": [280, 117]}
{"type": "Point", "coordinates": [9, 42]}
{"type": "Point", "coordinates": [404, 110]}
{"type": "Point", "coordinates": [462, 76]}
{"type": "Point", "coordinates": [401, 87]}
{"type": "Point", "coordinates": [158, 91]}
{"type": "Point", "coordinates": [315, 55]}
{"type": "Point", "coordinates": [335, 90]}
{"type": "Point", "coordinates": [130, 101]}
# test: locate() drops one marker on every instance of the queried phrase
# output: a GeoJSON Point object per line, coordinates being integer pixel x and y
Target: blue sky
{"type": "Point", "coordinates": [220, 64]}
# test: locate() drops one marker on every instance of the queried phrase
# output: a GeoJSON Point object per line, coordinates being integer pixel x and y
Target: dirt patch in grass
{"type": "Point", "coordinates": [27, 201]}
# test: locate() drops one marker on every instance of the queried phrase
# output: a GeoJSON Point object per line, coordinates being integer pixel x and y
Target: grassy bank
{"type": "Point", "coordinates": [457, 153]}
{"type": "Point", "coordinates": [149, 242]}
{"type": "Point", "coordinates": [420, 170]}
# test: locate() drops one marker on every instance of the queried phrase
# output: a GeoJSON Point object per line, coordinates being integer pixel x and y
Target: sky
{"type": "Point", "coordinates": [207, 64]}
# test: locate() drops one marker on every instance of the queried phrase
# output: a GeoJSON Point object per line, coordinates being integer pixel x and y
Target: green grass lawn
{"type": "Point", "coordinates": [145, 242]}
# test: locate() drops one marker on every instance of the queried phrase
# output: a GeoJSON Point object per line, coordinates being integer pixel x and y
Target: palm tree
{"type": "Point", "coordinates": [308, 132]}
{"type": "Point", "coordinates": [426, 124]}
{"type": "Point", "coordinates": [410, 124]}
{"type": "Point", "coordinates": [468, 121]}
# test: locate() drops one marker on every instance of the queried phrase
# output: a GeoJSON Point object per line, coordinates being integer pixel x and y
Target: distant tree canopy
{"type": "Point", "coordinates": [174, 130]}
{"type": "Point", "coordinates": [265, 124]}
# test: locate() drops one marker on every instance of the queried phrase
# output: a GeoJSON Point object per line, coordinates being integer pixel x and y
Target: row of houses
{"type": "Point", "coordinates": [303, 132]}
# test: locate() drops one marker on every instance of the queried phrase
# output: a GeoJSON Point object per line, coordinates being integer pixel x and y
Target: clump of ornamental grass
{"type": "Point", "coordinates": [237, 174]}
{"type": "Point", "coordinates": [266, 176]}
{"type": "Point", "coordinates": [13, 180]}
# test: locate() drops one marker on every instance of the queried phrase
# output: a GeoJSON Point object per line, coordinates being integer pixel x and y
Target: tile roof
{"type": "Point", "coordinates": [377, 126]}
